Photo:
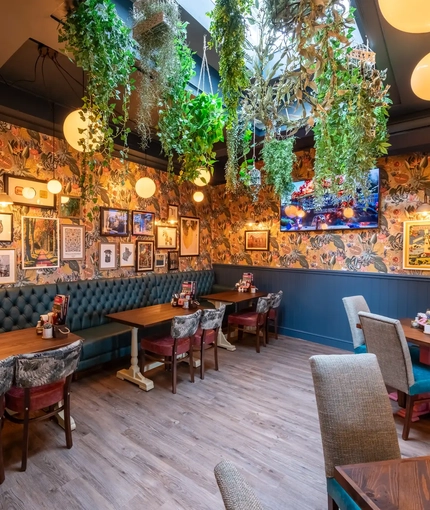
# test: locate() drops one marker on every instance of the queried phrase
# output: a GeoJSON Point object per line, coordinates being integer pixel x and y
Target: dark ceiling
{"type": "Point", "coordinates": [34, 74]}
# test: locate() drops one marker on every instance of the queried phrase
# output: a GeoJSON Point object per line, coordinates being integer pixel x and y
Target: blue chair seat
{"type": "Point", "coordinates": [340, 496]}
{"type": "Point", "coordinates": [413, 349]}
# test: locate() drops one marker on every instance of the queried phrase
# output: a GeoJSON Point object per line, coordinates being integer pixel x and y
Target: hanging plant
{"type": "Point", "coordinates": [279, 158]}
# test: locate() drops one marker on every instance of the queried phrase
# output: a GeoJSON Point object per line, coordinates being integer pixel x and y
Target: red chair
{"type": "Point", "coordinates": [168, 348]}
{"type": "Point", "coordinates": [251, 319]}
{"type": "Point", "coordinates": [272, 316]}
{"type": "Point", "coordinates": [207, 335]}
{"type": "Point", "coordinates": [42, 380]}
{"type": "Point", "coordinates": [7, 370]}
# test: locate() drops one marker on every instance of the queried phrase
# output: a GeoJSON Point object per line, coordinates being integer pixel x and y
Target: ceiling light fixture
{"type": "Point", "coordinates": [407, 15]}
{"type": "Point", "coordinates": [76, 129]}
{"type": "Point", "coordinates": [420, 78]}
{"type": "Point", "coordinates": [198, 196]}
{"type": "Point", "coordinates": [54, 185]}
{"type": "Point", "coordinates": [145, 187]}
{"type": "Point", "coordinates": [203, 178]}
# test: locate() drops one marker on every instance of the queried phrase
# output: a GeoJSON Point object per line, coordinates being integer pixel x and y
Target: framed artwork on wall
{"type": "Point", "coordinates": [416, 245]}
{"type": "Point", "coordinates": [172, 213]}
{"type": "Point", "coordinates": [166, 238]}
{"type": "Point", "coordinates": [142, 223]}
{"type": "Point", "coordinates": [173, 261]}
{"type": "Point", "coordinates": [72, 242]}
{"type": "Point", "coordinates": [29, 191]}
{"type": "Point", "coordinates": [160, 259]}
{"type": "Point", "coordinates": [69, 207]}
{"type": "Point", "coordinates": [257, 240]}
{"type": "Point", "coordinates": [113, 222]}
{"type": "Point", "coordinates": [6, 227]}
{"type": "Point", "coordinates": [40, 246]}
{"type": "Point", "coordinates": [190, 236]}
{"type": "Point", "coordinates": [107, 256]}
{"type": "Point", "coordinates": [126, 255]}
{"type": "Point", "coordinates": [7, 266]}
{"type": "Point", "coordinates": [144, 255]}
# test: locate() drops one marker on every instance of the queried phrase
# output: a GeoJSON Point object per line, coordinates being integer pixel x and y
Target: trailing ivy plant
{"type": "Point", "coordinates": [279, 158]}
{"type": "Point", "coordinates": [102, 45]}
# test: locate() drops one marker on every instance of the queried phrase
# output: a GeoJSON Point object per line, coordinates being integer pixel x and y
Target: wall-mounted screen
{"type": "Point", "coordinates": [299, 213]}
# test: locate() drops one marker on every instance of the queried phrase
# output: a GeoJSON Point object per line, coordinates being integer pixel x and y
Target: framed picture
{"type": "Point", "coordinates": [126, 255]}
{"type": "Point", "coordinates": [69, 207]}
{"type": "Point", "coordinates": [7, 266]}
{"type": "Point", "coordinates": [142, 223]}
{"type": "Point", "coordinates": [40, 247]}
{"type": "Point", "coordinates": [29, 191]}
{"type": "Point", "coordinates": [107, 256]}
{"type": "Point", "coordinates": [173, 261]}
{"type": "Point", "coordinates": [172, 213]}
{"type": "Point", "coordinates": [6, 227]}
{"type": "Point", "coordinates": [144, 255]}
{"type": "Point", "coordinates": [257, 240]}
{"type": "Point", "coordinates": [72, 242]}
{"type": "Point", "coordinates": [416, 245]}
{"type": "Point", "coordinates": [167, 238]}
{"type": "Point", "coordinates": [190, 236]}
{"type": "Point", "coordinates": [113, 222]}
{"type": "Point", "coordinates": [160, 259]}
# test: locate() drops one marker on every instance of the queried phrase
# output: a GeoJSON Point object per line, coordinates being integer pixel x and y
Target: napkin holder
{"type": "Point", "coordinates": [61, 332]}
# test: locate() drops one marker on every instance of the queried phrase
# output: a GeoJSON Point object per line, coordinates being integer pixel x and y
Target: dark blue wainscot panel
{"type": "Point", "coordinates": [312, 307]}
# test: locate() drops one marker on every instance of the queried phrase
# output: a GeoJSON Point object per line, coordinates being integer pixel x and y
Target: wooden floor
{"type": "Point", "coordinates": [157, 450]}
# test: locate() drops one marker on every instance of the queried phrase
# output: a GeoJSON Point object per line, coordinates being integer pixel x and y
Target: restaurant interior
{"type": "Point", "coordinates": [214, 240]}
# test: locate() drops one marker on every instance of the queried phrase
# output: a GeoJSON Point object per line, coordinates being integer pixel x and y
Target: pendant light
{"type": "Point", "coordinates": [203, 178]}
{"type": "Point", "coordinates": [411, 16]}
{"type": "Point", "coordinates": [145, 187]}
{"type": "Point", "coordinates": [54, 185]}
{"type": "Point", "coordinates": [5, 199]}
{"type": "Point", "coordinates": [198, 196]}
{"type": "Point", "coordinates": [76, 130]}
{"type": "Point", "coordinates": [420, 78]}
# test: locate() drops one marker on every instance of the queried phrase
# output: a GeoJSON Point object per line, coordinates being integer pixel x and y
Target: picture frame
{"type": "Point", "coordinates": [160, 259]}
{"type": "Point", "coordinates": [6, 227]}
{"type": "Point", "coordinates": [40, 242]}
{"type": "Point", "coordinates": [107, 256]}
{"type": "Point", "coordinates": [416, 245]}
{"type": "Point", "coordinates": [257, 240]}
{"type": "Point", "coordinates": [127, 255]}
{"type": "Point", "coordinates": [172, 213]}
{"type": "Point", "coordinates": [189, 236]}
{"type": "Point", "coordinates": [72, 242]}
{"type": "Point", "coordinates": [173, 260]}
{"type": "Point", "coordinates": [144, 255]}
{"type": "Point", "coordinates": [69, 207]}
{"type": "Point", "coordinates": [113, 222]}
{"type": "Point", "coordinates": [14, 187]}
{"type": "Point", "coordinates": [7, 266]}
{"type": "Point", "coordinates": [142, 223]}
{"type": "Point", "coordinates": [167, 238]}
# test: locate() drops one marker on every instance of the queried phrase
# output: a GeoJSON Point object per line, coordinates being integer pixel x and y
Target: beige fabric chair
{"type": "Point", "coordinates": [235, 492]}
{"type": "Point", "coordinates": [385, 338]}
{"type": "Point", "coordinates": [353, 305]}
{"type": "Point", "coordinates": [355, 415]}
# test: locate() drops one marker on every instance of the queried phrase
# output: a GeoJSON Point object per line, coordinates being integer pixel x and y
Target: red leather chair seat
{"type": "Point", "coordinates": [243, 318]}
{"type": "Point", "coordinates": [209, 336]}
{"type": "Point", "coordinates": [163, 345]}
{"type": "Point", "coordinates": [272, 313]}
{"type": "Point", "coordinates": [40, 396]}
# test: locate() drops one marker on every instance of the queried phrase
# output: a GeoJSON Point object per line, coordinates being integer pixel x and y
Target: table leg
{"type": "Point", "coordinates": [60, 418]}
{"type": "Point", "coordinates": [222, 340]}
{"type": "Point", "coordinates": [133, 374]}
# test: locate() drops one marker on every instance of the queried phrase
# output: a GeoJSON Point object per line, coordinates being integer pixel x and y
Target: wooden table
{"type": "Point", "coordinates": [230, 297]}
{"type": "Point", "coordinates": [143, 318]}
{"type": "Point", "coordinates": [418, 337]}
{"type": "Point", "coordinates": [402, 484]}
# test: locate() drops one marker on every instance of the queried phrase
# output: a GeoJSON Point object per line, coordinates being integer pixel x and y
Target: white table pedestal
{"type": "Point", "coordinates": [222, 339]}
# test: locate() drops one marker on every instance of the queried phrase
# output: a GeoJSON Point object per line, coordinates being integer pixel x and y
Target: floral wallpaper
{"type": "Point", "coordinates": [31, 154]}
{"type": "Point", "coordinates": [405, 185]}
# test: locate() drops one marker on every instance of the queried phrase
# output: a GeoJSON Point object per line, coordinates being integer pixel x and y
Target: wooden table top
{"type": "Point", "coordinates": [149, 315]}
{"type": "Point", "coordinates": [233, 296]}
{"type": "Point", "coordinates": [415, 335]}
{"type": "Point", "coordinates": [402, 484]}
{"type": "Point", "coordinates": [24, 341]}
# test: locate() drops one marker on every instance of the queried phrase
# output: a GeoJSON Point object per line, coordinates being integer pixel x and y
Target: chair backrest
{"type": "Point", "coordinates": [185, 325]}
{"type": "Point", "coordinates": [385, 338]}
{"type": "Point", "coordinates": [356, 419]}
{"type": "Point", "coordinates": [263, 304]}
{"type": "Point", "coordinates": [235, 492]}
{"type": "Point", "coordinates": [353, 305]}
{"type": "Point", "coordinates": [47, 367]}
{"type": "Point", "coordinates": [276, 299]}
{"type": "Point", "coordinates": [7, 372]}
{"type": "Point", "coordinates": [212, 319]}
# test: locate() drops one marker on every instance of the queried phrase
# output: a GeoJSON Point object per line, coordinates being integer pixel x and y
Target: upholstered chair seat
{"type": "Point", "coordinates": [163, 345]}
{"type": "Point", "coordinates": [40, 397]}
{"type": "Point", "coordinates": [7, 371]}
{"type": "Point", "coordinates": [209, 337]}
{"type": "Point", "coordinates": [244, 319]}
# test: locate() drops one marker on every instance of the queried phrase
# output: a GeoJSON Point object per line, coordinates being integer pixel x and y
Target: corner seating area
{"type": "Point", "coordinates": [91, 301]}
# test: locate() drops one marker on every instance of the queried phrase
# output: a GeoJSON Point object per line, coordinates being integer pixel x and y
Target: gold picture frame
{"type": "Point", "coordinates": [416, 245]}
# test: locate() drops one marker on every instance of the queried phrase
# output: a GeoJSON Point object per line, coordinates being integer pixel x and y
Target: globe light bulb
{"type": "Point", "coordinates": [64, 200]}
{"type": "Point", "coordinates": [198, 196]}
{"type": "Point", "coordinates": [145, 187]}
{"type": "Point", "coordinates": [420, 78]}
{"type": "Point", "coordinates": [203, 178]}
{"type": "Point", "coordinates": [73, 125]}
{"type": "Point", "coordinates": [411, 16]}
{"type": "Point", "coordinates": [54, 186]}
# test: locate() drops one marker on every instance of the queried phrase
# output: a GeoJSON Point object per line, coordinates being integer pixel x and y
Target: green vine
{"type": "Point", "coordinates": [279, 158]}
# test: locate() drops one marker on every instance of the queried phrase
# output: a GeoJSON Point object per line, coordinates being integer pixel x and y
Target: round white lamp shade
{"type": "Point", "coordinates": [407, 15]}
{"type": "Point", "coordinates": [76, 121]}
{"type": "Point", "coordinates": [145, 187]}
{"type": "Point", "coordinates": [420, 79]}
{"type": "Point", "coordinates": [54, 186]}
{"type": "Point", "coordinates": [203, 178]}
{"type": "Point", "coordinates": [198, 196]}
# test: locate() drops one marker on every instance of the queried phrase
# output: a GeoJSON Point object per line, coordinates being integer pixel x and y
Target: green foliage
{"type": "Point", "coordinates": [279, 158]}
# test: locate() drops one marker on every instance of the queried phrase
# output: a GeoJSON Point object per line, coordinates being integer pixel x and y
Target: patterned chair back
{"type": "Point", "coordinates": [47, 367]}
{"type": "Point", "coordinates": [276, 299]}
{"type": "Point", "coordinates": [185, 325]}
{"type": "Point", "coordinates": [7, 371]}
{"type": "Point", "coordinates": [263, 304]}
{"type": "Point", "coordinates": [212, 319]}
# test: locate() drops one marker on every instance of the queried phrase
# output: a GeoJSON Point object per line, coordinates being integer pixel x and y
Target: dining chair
{"type": "Point", "coordinates": [353, 305]}
{"type": "Point", "coordinates": [235, 491]}
{"type": "Point", "coordinates": [385, 338]}
{"type": "Point", "coordinates": [7, 370]}
{"type": "Point", "coordinates": [255, 320]}
{"type": "Point", "coordinates": [207, 334]}
{"type": "Point", "coordinates": [167, 348]}
{"type": "Point", "coordinates": [355, 416]}
{"type": "Point", "coordinates": [42, 381]}
{"type": "Point", "coordinates": [272, 316]}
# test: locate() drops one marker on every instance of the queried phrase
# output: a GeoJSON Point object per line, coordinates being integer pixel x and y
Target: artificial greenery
{"type": "Point", "coordinates": [279, 158]}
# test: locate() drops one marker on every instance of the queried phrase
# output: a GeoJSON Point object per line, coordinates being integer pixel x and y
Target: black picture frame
{"type": "Point", "coordinates": [6, 227]}
{"type": "Point", "coordinates": [257, 240]}
{"type": "Point", "coordinates": [114, 222]}
{"type": "Point", "coordinates": [15, 184]}
{"type": "Point", "coordinates": [145, 261]}
{"type": "Point", "coordinates": [142, 223]}
{"type": "Point", "coordinates": [173, 260]}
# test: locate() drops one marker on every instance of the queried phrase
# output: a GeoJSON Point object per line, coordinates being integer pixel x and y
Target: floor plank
{"type": "Point", "coordinates": [157, 450]}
